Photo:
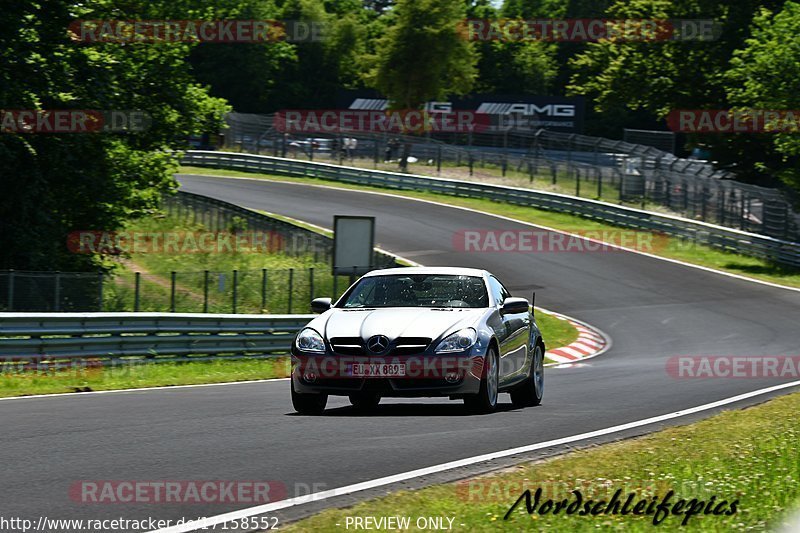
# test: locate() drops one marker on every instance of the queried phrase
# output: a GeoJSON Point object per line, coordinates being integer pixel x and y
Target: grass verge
{"type": "Point", "coordinates": [283, 271]}
{"type": "Point", "coordinates": [657, 244]}
{"type": "Point", "coordinates": [750, 456]}
{"type": "Point", "coordinates": [132, 376]}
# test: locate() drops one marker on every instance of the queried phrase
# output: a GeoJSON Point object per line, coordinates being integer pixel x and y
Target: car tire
{"type": "Point", "coordinates": [308, 404]}
{"type": "Point", "coordinates": [531, 391]}
{"type": "Point", "coordinates": [365, 401]}
{"type": "Point", "coordinates": [486, 399]}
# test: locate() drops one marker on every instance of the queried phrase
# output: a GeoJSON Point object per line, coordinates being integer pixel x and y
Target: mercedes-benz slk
{"type": "Point", "coordinates": [420, 332]}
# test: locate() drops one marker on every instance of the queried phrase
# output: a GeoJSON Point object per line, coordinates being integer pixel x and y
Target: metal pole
{"type": "Point", "coordinates": [100, 290]}
{"type": "Point", "coordinates": [599, 184]}
{"type": "Point", "coordinates": [311, 282]}
{"type": "Point", "coordinates": [11, 275]}
{"type": "Point", "coordinates": [263, 289]}
{"type": "Point", "coordinates": [205, 291]}
{"type": "Point", "coordinates": [235, 289]}
{"type": "Point", "coordinates": [137, 284]}
{"type": "Point", "coordinates": [291, 288]}
{"type": "Point", "coordinates": [172, 276]}
{"type": "Point", "coordinates": [56, 306]}
{"type": "Point", "coordinates": [439, 159]}
{"type": "Point", "coordinates": [577, 182]}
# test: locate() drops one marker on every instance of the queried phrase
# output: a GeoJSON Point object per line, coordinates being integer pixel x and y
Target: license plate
{"type": "Point", "coordinates": [378, 370]}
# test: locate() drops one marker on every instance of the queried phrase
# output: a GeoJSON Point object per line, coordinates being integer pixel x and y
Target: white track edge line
{"type": "Point", "coordinates": [396, 478]}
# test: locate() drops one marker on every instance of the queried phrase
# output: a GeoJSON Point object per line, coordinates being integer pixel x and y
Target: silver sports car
{"type": "Point", "coordinates": [412, 332]}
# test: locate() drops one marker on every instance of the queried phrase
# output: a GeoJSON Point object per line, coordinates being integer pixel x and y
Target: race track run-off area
{"type": "Point", "coordinates": [652, 310]}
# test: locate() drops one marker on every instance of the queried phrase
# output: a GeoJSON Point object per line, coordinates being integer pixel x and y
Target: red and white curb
{"type": "Point", "coordinates": [591, 342]}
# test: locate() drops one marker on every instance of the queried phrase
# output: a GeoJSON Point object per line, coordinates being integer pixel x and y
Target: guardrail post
{"type": "Point", "coordinates": [172, 277]}
{"type": "Point", "coordinates": [235, 289]}
{"type": "Point", "coordinates": [291, 289]}
{"type": "Point", "coordinates": [504, 165]}
{"type": "Point", "coordinates": [439, 159]}
{"type": "Point", "coordinates": [205, 291]}
{"type": "Point", "coordinates": [137, 280]}
{"type": "Point", "coordinates": [57, 292]}
{"type": "Point", "coordinates": [469, 162]}
{"type": "Point", "coordinates": [577, 182]}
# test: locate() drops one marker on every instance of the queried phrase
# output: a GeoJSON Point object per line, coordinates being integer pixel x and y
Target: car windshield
{"type": "Point", "coordinates": [418, 290]}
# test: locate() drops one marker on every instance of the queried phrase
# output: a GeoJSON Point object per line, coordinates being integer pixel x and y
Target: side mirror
{"type": "Point", "coordinates": [513, 306]}
{"type": "Point", "coordinates": [320, 305]}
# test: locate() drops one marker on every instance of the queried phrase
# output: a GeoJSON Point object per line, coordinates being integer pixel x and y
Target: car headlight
{"type": "Point", "coordinates": [310, 341]}
{"type": "Point", "coordinates": [458, 341]}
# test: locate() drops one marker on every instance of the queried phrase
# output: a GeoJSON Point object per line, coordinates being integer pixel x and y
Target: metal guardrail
{"type": "Point", "coordinates": [53, 336]}
{"type": "Point", "coordinates": [737, 241]}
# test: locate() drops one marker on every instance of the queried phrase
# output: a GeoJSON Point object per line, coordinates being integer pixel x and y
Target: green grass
{"type": "Point", "coordinates": [190, 277]}
{"type": "Point", "coordinates": [556, 332]}
{"type": "Point", "coordinates": [131, 376]}
{"type": "Point", "coordinates": [661, 246]}
{"type": "Point", "coordinates": [751, 456]}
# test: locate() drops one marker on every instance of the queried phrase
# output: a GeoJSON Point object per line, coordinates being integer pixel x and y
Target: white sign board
{"type": "Point", "coordinates": [353, 243]}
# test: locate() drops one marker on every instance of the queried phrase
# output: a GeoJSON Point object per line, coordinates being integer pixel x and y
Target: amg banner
{"type": "Point", "coordinates": [504, 112]}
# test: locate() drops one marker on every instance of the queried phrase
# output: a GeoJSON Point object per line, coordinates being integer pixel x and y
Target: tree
{"type": "Point", "coordinates": [57, 183]}
{"type": "Point", "coordinates": [764, 75]}
{"type": "Point", "coordinates": [631, 77]}
{"type": "Point", "coordinates": [423, 56]}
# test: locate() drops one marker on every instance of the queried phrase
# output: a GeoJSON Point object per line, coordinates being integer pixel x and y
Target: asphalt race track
{"type": "Point", "coordinates": [652, 310]}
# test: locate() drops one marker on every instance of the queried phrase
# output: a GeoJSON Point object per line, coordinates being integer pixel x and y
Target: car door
{"type": "Point", "coordinates": [516, 333]}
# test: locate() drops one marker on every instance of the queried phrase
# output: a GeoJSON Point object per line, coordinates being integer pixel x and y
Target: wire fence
{"type": "Point", "coordinates": [579, 165]}
{"type": "Point", "coordinates": [265, 290]}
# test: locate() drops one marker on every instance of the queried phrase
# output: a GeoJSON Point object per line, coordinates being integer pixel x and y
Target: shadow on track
{"type": "Point", "coordinates": [410, 409]}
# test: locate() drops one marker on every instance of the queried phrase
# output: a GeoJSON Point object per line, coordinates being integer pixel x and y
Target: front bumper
{"type": "Point", "coordinates": [426, 375]}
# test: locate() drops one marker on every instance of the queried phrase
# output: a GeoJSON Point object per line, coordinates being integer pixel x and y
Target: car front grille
{"type": "Point", "coordinates": [401, 346]}
{"type": "Point", "coordinates": [348, 345]}
{"type": "Point", "coordinates": [410, 345]}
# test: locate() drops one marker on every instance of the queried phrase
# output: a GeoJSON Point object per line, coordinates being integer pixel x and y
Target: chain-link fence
{"type": "Point", "coordinates": [588, 167]}
{"type": "Point", "coordinates": [271, 291]}
{"type": "Point", "coordinates": [275, 290]}
{"type": "Point", "coordinates": [27, 291]}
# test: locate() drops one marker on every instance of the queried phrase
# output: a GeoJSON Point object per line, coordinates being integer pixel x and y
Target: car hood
{"type": "Point", "coordinates": [395, 322]}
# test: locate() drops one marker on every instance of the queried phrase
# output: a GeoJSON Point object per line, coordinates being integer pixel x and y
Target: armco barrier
{"type": "Point", "coordinates": [776, 250]}
{"type": "Point", "coordinates": [38, 336]}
